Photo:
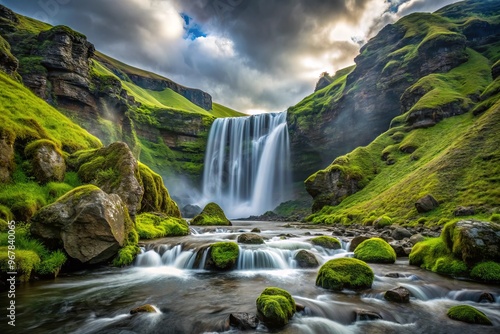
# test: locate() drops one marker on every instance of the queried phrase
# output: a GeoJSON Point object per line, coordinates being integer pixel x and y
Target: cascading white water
{"type": "Point", "coordinates": [247, 164]}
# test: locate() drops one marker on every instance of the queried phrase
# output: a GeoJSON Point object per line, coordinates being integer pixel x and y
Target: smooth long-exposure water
{"type": "Point", "coordinates": [193, 300]}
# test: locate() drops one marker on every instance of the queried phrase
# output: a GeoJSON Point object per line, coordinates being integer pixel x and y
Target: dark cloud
{"type": "Point", "coordinates": [257, 54]}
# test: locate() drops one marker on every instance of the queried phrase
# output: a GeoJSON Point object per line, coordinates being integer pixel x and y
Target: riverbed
{"type": "Point", "coordinates": [169, 275]}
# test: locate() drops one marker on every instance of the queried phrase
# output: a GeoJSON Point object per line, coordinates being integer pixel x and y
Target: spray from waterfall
{"type": "Point", "coordinates": [247, 164]}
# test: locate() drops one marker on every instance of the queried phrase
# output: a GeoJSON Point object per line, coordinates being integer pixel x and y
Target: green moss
{"type": "Point", "coordinates": [30, 149]}
{"type": "Point", "coordinates": [276, 306]}
{"type": "Point", "coordinates": [486, 271]}
{"type": "Point", "coordinates": [375, 250]}
{"type": "Point", "coordinates": [5, 213]}
{"type": "Point", "coordinates": [52, 263]}
{"type": "Point", "coordinates": [126, 256]}
{"type": "Point", "coordinates": [224, 254]}
{"type": "Point", "coordinates": [345, 273]}
{"type": "Point", "coordinates": [154, 225]}
{"type": "Point", "coordinates": [495, 218]}
{"type": "Point", "coordinates": [326, 242]}
{"type": "Point", "coordinates": [383, 221]}
{"type": "Point", "coordinates": [31, 118]}
{"type": "Point", "coordinates": [212, 214]}
{"type": "Point", "coordinates": [469, 314]}
{"type": "Point", "coordinates": [25, 263]}
{"type": "Point", "coordinates": [156, 197]}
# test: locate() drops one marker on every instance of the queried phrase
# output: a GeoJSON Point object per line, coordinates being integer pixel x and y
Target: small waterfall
{"type": "Point", "coordinates": [247, 164]}
{"type": "Point", "coordinates": [265, 258]}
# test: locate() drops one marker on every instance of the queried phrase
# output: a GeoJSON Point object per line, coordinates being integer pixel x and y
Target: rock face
{"type": "Point", "coordinates": [6, 155]}
{"type": "Point", "coordinates": [330, 187]}
{"type": "Point", "coordinates": [114, 170]}
{"type": "Point", "coordinates": [398, 295]}
{"type": "Point", "coordinates": [89, 224]}
{"type": "Point", "coordinates": [476, 241]}
{"type": "Point", "coordinates": [47, 163]}
{"type": "Point", "coordinates": [426, 204]}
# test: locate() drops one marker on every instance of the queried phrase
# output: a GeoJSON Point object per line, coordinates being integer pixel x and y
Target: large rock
{"type": "Point", "coordinates": [356, 241]}
{"type": "Point", "coordinates": [276, 307]}
{"type": "Point", "coordinates": [89, 224]}
{"type": "Point", "coordinates": [243, 321]}
{"type": "Point", "coordinates": [398, 295]}
{"type": "Point", "coordinates": [113, 169]}
{"type": "Point", "coordinates": [250, 238]}
{"type": "Point", "coordinates": [476, 241]}
{"type": "Point", "coordinates": [47, 162]}
{"type": "Point", "coordinates": [212, 214]}
{"type": "Point", "coordinates": [330, 187]}
{"type": "Point", "coordinates": [6, 155]}
{"type": "Point", "coordinates": [400, 233]}
{"type": "Point", "coordinates": [426, 204]}
{"type": "Point", "coordinates": [345, 273]}
{"type": "Point", "coordinates": [375, 250]}
{"type": "Point", "coordinates": [306, 259]}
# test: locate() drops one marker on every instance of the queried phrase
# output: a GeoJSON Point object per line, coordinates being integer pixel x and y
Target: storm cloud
{"type": "Point", "coordinates": [251, 55]}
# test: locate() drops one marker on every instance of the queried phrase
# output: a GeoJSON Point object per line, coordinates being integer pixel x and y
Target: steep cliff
{"type": "Point", "coordinates": [432, 79]}
{"type": "Point", "coordinates": [165, 124]}
{"type": "Point", "coordinates": [396, 69]}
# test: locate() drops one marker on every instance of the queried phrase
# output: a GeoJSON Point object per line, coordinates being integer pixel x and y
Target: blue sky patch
{"type": "Point", "coordinates": [192, 30]}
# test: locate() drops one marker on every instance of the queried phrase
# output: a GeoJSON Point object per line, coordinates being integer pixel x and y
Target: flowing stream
{"type": "Point", "coordinates": [246, 164]}
{"type": "Point", "coordinates": [169, 275]}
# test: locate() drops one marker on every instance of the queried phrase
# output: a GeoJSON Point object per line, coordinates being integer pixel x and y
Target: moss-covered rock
{"type": "Point", "coordinates": [143, 309]}
{"type": "Point", "coordinates": [212, 214]}
{"type": "Point", "coordinates": [89, 224]}
{"type": "Point", "coordinates": [223, 255]}
{"type": "Point", "coordinates": [250, 238]}
{"type": "Point", "coordinates": [345, 273]}
{"type": "Point", "coordinates": [113, 169]}
{"type": "Point", "coordinates": [326, 242]}
{"type": "Point", "coordinates": [7, 138]}
{"type": "Point", "coordinates": [375, 250]}
{"type": "Point", "coordinates": [487, 272]}
{"type": "Point", "coordinates": [276, 306]}
{"type": "Point", "coordinates": [156, 197]}
{"type": "Point", "coordinates": [382, 222]}
{"type": "Point", "coordinates": [158, 225]}
{"type": "Point", "coordinates": [469, 314]}
{"type": "Point", "coordinates": [47, 162]}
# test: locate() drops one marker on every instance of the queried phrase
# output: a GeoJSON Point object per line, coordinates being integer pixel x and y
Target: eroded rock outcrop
{"type": "Point", "coordinates": [89, 224]}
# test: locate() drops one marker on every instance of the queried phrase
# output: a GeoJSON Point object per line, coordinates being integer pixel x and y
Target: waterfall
{"type": "Point", "coordinates": [247, 164]}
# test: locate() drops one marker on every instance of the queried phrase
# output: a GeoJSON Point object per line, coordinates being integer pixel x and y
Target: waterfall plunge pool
{"type": "Point", "coordinates": [194, 300]}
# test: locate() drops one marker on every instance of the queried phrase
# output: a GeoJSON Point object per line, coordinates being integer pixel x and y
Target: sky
{"type": "Point", "coordinates": [251, 55]}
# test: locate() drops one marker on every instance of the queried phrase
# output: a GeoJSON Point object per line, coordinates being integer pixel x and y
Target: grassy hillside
{"type": "Point", "coordinates": [457, 161]}
{"type": "Point", "coordinates": [445, 141]}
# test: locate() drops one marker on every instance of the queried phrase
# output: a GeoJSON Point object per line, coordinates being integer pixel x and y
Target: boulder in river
{"type": "Point", "coordinates": [250, 238]}
{"type": "Point", "coordinates": [212, 214]}
{"type": "Point", "coordinates": [89, 224]}
{"type": "Point", "coordinates": [365, 315]}
{"type": "Point", "coordinates": [306, 259]}
{"type": "Point", "coordinates": [398, 295]}
{"type": "Point", "coordinates": [469, 314]}
{"type": "Point", "coordinates": [326, 242]}
{"type": "Point", "coordinates": [223, 255]}
{"type": "Point", "coordinates": [345, 273]}
{"type": "Point", "coordinates": [143, 309]}
{"type": "Point", "coordinates": [375, 250]}
{"type": "Point", "coordinates": [243, 321]}
{"type": "Point", "coordinates": [276, 307]}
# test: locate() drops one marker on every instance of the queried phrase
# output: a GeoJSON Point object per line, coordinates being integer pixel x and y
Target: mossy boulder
{"type": "Point", "coordinates": [469, 314]}
{"type": "Point", "coordinates": [487, 272]}
{"type": "Point", "coordinates": [306, 259]}
{"type": "Point", "coordinates": [156, 197]}
{"type": "Point", "coordinates": [250, 238]}
{"type": "Point", "coordinates": [113, 169]}
{"type": "Point", "coordinates": [89, 224]}
{"type": "Point", "coordinates": [382, 222]}
{"type": "Point", "coordinates": [158, 225]}
{"type": "Point", "coordinates": [223, 255]}
{"type": "Point", "coordinates": [25, 263]}
{"type": "Point", "coordinates": [375, 250]}
{"type": "Point", "coordinates": [276, 307]}
{"type": "Point", "coordinates": [212, 214]}
{"type": "Point", "coordinates": [326, 242]}
{"type": "Point", "coordinates": [345, 273]}
{"type": "Point", "coordinates": [47, 162]}
{"type": "Point", "coordinates": [143, 309]}
{"type": "Point", "coordinates": [7, 138]}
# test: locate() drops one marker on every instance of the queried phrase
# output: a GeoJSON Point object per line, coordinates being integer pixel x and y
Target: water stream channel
{"type": "Point", "coordinates": [189, 299]}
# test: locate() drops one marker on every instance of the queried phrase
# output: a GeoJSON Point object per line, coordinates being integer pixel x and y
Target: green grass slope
{"type": "Point", "coordinates": [457, 160]}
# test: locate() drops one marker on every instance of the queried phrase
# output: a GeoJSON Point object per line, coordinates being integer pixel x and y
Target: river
{"type": "Point", "coordinates": [193, 300]}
